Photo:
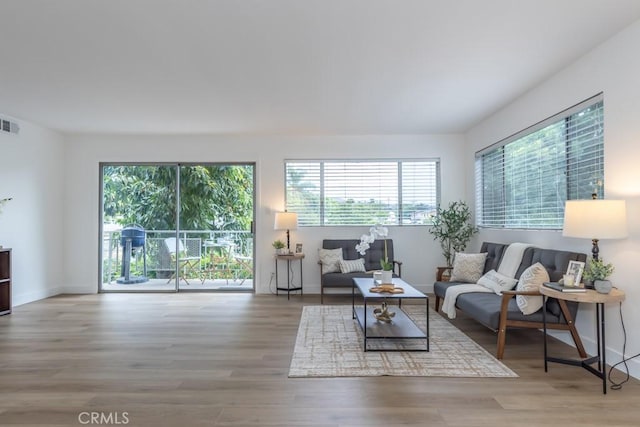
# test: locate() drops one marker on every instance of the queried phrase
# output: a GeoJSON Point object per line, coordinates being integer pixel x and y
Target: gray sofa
{"type": "Point", "coordinates": [371, 262]}
{"type": "Point", "coordinates": [500, 312]}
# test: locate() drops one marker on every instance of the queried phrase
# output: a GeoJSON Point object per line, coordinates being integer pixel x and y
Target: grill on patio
{"type": "Point", "coordinates": [132, 241]}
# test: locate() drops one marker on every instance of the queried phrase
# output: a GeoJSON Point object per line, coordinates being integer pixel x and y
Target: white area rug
{"type": "Point", "coordinates": [330, 344]}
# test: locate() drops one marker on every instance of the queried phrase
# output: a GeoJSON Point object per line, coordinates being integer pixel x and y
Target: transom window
{"type": "Point", "coordinates": [362, 192]}
{"type": "Point", "coordinates": [524, 181]}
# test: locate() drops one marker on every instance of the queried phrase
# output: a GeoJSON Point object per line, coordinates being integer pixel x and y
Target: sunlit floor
{"type": "Point", "coordinates": [194, 284]}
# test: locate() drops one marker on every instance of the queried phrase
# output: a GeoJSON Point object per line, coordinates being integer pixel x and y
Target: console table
{"type": "Point", "coordinates": [289, 259]}
{"type": "Point", "coordinates": [588, 297]}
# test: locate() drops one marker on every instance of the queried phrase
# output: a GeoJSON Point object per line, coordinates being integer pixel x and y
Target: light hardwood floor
{"type": "Point", "coordinates": [222, 360]}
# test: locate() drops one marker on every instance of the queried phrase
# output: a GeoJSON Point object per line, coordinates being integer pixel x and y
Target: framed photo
{"type": "Point", "coordinates": [576, 268]}
{"type": "Point", "coordinates": [298, 248]}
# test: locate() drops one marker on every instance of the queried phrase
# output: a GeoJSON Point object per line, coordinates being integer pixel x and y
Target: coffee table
{"type": "Point", "coordinates": [401, 325]}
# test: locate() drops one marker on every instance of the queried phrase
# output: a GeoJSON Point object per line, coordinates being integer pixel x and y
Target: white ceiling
{"type": "Point", "coordinates": [286, 66]}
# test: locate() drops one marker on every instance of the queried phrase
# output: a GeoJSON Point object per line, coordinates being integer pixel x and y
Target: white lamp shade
{"type": "Point", "coordinates": [595, 219]}
{"type": "Point", "coordinates": [286, 221]}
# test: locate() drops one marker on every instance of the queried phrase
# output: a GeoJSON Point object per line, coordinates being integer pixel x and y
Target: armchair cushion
{"type": "Point", "coordinates": [330, 260]}
{"type": "Point", "coordinates": [352, 266]}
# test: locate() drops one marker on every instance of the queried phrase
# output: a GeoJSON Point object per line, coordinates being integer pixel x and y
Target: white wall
{"type": "Point", "coordinates": [613, 68]}
{"type": "Point", "coordinates": [31, 224]}
{"type": "Point", "coordinates": [413, 245]}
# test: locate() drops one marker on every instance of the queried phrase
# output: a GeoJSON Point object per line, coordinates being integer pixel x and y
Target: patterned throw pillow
{"type": "Point", "coordinates": [497, 282]}
{"type": "Point", "coordinates": [330, 259]}
{"type": "Point", "coordinates": [352, 266]}
{"type": "Point", "coordinates": [468, 268]}
{"type": "Point", "coordinates": [531, 280]}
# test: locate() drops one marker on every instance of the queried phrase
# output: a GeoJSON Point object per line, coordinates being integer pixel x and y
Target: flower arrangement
{"type": "Point", "coordinates": [278, 244]}
{"type": "Point", "coordinates": [377, 231]}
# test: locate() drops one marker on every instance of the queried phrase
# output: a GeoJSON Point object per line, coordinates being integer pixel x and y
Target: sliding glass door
{"type": "Point", "coordinates": [177, 227]}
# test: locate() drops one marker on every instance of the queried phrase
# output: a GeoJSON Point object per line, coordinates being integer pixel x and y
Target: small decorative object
{"type": "Point", "coordinates": [389, 289]}
{"type": "Point", "coordinates": [279, 247]}
{"type": "Point", "coordinates": [452, 227]}
{"type": "Point", "coordinates": [299, 248]}
{"type": "Point", "coordinates": [377, 276]}
{"type": "Point", "coordinates": [598, 271]}
{"type": "Point", "coordinates": [365, 243]}
{"type": "Point", "coordinates": [568, 280]}
{"type": "Point", "coordinates": [575, 269]}
{"type": "Point", "coordinates": [383, 314]}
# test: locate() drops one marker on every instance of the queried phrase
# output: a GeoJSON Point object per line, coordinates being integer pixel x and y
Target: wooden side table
{"type": "Point", "coordinates": [290, 288]}
{"type": "Point", "coordinates": [588, 297]}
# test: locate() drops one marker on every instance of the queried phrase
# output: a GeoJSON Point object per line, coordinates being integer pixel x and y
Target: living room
{"type": "Point", "coordinates": [52, 223]}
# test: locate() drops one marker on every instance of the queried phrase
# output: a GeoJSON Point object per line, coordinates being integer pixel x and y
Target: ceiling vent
{"type": "Point", "coordinates": [8, 126]}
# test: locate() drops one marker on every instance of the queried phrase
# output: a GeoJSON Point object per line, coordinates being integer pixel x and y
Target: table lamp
{"type": "Point", "coordinates": [595, 219]}
{"type": "Point", "coordinates": [286, 221]}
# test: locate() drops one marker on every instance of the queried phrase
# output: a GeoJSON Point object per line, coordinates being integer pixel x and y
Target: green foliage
{"type": "Point", "coordinates": [598, 270]}
{"type": "Point", "coordinates": [278, 244]}
{"type": "Point", "coordinates": [211, 197]}
{"type": "Point", "coordinates": [453, 228]}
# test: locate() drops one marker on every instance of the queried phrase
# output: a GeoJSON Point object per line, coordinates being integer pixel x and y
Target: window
{"type": "Point", "coordinates": [362, 192]}
{"type": "Point", "coordinates": [523, 181]}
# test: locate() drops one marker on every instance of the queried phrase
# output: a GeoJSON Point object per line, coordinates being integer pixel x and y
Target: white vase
{"type": "Point", "coordinates": [387, 277]}
{"type": "Point", "coordinates": [603, 286]}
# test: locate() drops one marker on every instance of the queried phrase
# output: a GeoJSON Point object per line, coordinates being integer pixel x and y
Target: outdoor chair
{"type": "Point", "coordinates": [188, 258]}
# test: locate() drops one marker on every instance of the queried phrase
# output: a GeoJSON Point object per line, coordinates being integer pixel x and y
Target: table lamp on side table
{"type": "Point", "coordinates": [286, 221]}
{"type": "Point", "coordinates": [595, 219]}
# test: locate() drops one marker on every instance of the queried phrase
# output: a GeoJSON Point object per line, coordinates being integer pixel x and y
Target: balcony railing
{"type": "Point", "coordinates": [224, 255]}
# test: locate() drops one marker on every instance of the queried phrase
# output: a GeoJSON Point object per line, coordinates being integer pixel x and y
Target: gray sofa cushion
{"type": "Point", "coordinates": [485, 308]}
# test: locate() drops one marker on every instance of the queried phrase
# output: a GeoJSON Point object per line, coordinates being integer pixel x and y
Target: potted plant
{"type": "Point", "coordinates": [453, 228]}
{"type": "Point", "coordinates": [279, 247]}
{"type": "Point", "coordinates": [597, 271]}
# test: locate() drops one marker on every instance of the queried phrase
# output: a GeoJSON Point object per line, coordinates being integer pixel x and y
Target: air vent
{"type": "Point", "coordinates": [9, 127]}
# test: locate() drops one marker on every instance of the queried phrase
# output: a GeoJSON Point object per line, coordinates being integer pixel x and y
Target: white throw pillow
{"type": "Point", "coordinates": [531, 280]}
{"type": "Point", "coordinates": [468, 268]}
{"type": "Point", "coordinates": [352, 266]}
{"type": "Point", "coordinates": [497, 282]}
{"type": "Point", "coordinates": [330, 259]}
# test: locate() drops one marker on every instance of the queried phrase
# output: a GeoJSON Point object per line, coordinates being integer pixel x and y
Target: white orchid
{"type": "Point", "coordinates": [377, 231]}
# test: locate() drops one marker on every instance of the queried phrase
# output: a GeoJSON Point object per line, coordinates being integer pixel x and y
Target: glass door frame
{"type": "Point", "coordinates": [177, 165]}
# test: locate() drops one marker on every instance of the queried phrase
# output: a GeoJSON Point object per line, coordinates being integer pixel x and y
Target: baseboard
{"type": "Point", "coordinates": [25, 298]}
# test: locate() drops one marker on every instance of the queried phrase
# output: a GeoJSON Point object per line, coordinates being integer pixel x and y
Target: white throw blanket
{"type": "Point", "coordinates": [512, 258]}
{"type": "Point", "coordinates": [450, 297]}
{"type": "Point", "coordinates": [508, 266]}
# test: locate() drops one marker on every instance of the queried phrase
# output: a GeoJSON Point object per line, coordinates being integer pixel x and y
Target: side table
{"type": "Point", "coordinates": [588, 297]}
{"type": "Point", "coordinates": [290, 287]}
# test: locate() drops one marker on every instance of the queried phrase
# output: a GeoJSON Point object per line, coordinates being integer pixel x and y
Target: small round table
{"type": "Point", "coordinates": [589, 297]}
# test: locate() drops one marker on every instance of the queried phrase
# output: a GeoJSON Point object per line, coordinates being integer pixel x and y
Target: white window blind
{"type": "Point", "coordinates": [524, 181]}
{"type": "Point", "coordinates": [362, 192]}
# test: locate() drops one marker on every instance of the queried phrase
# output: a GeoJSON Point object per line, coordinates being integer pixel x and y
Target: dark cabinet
{"type": "Point", "coordinates": [5, 281]}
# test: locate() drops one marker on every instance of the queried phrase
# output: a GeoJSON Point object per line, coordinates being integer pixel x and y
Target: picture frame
{"type": "Point", "coordinates": [576, 268]}
{"type": "Point", "coordinates": [298, 248]}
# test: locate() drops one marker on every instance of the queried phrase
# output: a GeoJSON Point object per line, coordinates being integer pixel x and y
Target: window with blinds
{"type": "Point", "coordinates": [524, 181]}
{"type": "Point", "coordinates": [362, 192]}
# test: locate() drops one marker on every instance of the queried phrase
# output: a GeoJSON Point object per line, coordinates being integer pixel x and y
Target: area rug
{"type": "Point", "coordinates": [330, 344]}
